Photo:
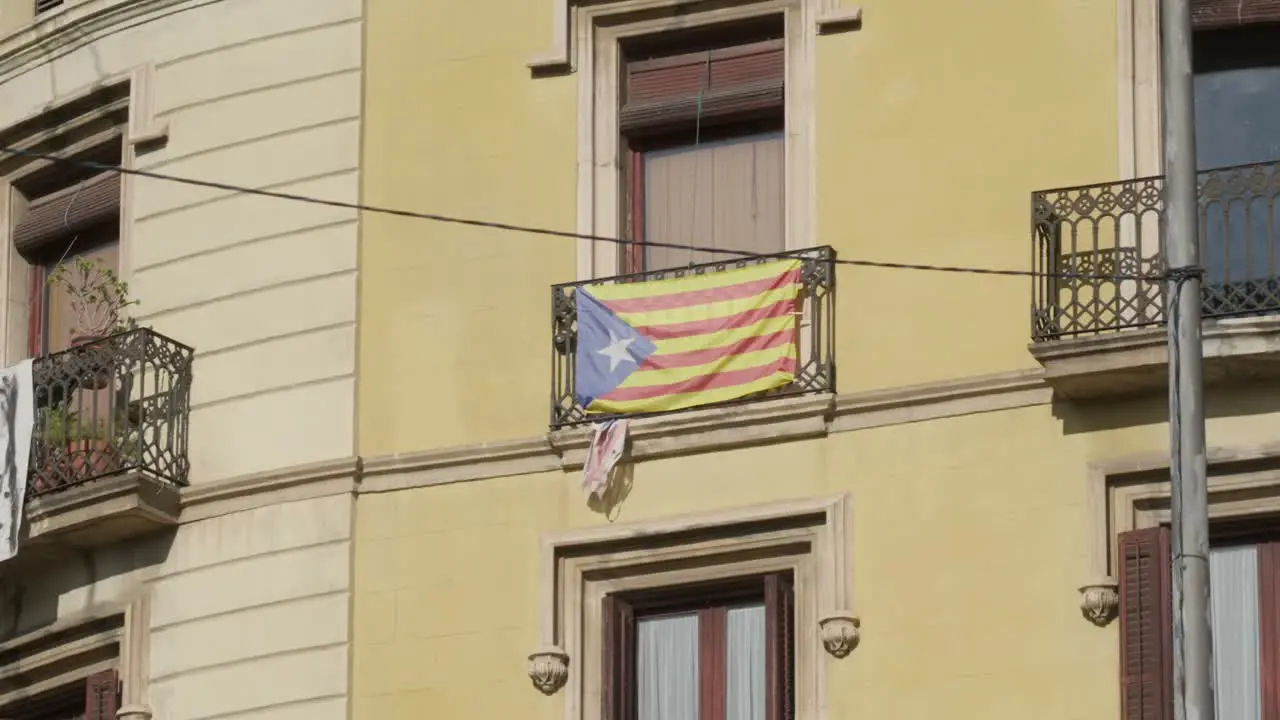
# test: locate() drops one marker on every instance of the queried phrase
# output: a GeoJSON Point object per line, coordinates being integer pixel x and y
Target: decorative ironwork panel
{"type": "Point", "coordinates": [117, 405]}
{"type": "Point", "coordinates": [1112, 233]}
{"type": "Point", "coordinates": [815, 370]}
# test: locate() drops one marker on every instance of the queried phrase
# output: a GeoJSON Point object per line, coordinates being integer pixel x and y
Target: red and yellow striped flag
{"type": "Point", "coordinates": [689, 341]}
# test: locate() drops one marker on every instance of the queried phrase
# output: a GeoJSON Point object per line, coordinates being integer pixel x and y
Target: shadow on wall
{"type": "Point", "coordinates": [45, 584]}
{"type": "Point", "coordinates": [1221, 401]}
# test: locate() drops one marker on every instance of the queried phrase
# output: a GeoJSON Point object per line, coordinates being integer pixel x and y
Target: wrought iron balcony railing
{"type": "Point", "coordinates": [815, 366]}
{"type": "Point", "coordinates": [1115, 232]}
{"type": "Point", "coordinates": [118, 405]}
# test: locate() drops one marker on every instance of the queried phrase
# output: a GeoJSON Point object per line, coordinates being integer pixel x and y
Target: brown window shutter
{"type": "Point", "coordinates": [102, 696]}
{"type": "Point", "coordinates": [1213, 14]}
{"type": "Point", "coordinates": [1269, 617]}
{"type": "Point", "coordinates": [713, 663]}
{"type": "Point", "coordinates": [707, 84]}
{"type": "Point", "coordinates": [619, 696]}
{"type": "Point", "coordinates": [1146, 668]}
{"type": "Point", "coordinates": [68, 211]}
{"type": "Point", "coordinates": [779, 627]}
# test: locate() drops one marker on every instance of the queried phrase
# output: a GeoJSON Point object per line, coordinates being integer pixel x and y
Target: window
{"type": "Point", "coordinates": [721, 651]}
{"type": "Point", "coordinates": [702, 122]}
{"type": "Point", "coordinates": [1245, 580]}
{"type": "Point", "coordinates": [1237, 102]}
{"type": "Point", "coordinates": [95, 698]}
{"type": "Point", "coordinates": [69, 213]}
{"type": "Point", "coordinates": [46, 5]}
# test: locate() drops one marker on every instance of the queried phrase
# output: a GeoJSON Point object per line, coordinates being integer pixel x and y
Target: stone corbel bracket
{"type": "Point", "coordinates": [569, 557]}
{"type": "Point", "coordinates": [549, 669]}
{"type": "Point", "coordinates": [834, 17]}
{"type": "Point", "coordinates": [829, 16]}
{"type": "Point", "coordinates": [1100, 601]}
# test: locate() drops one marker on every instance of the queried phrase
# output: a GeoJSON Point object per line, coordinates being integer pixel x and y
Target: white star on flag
{"type": "Point", "coordinates": [616, 350]}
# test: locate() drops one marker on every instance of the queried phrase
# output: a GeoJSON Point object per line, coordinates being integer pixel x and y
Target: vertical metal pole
{"type": "Point", "coordinates": [1192, 635]}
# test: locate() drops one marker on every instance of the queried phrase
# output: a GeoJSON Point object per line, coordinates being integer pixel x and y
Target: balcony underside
{"type": "Point", "coordinates": [1137, 361]}
{"type": "Point", "coordinates": [101, 512]}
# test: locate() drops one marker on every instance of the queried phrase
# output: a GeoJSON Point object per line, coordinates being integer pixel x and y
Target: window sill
{"type": "Point", "coordinates": [708, 430]}
{"type": "Point", "coordinates": [1136, 361]}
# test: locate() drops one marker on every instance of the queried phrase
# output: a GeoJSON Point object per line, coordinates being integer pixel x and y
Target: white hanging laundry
{"type": "Point", "coordinates": [17, 421]}
{"type": "Point", "coordinates": [608, 441]}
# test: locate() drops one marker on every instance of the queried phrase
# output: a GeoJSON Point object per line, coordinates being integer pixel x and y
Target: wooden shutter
{"type": "Point", "coordinates": [1146, 668]}
{"type": "Point", "coordinates": [779, 664]}
{"type": "Point", "coordinates": [1269, 617]}
{"type": "Point", "coordinates": [725, 195]}
{"type": "Point", "coordinates": [708, 84]}
{"type": "Point", "coordinates": [1213, 14]}
{"type": "Point", "coordinates": [102, 696]}
{"type": "Point", "coordinates": [713, 663]}
{"type": "Point", "coordinates": [619, 696]}
{"type": "Point", "coordinates": [68, 211]}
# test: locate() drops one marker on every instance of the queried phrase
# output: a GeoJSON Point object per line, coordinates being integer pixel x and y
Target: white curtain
{"type": "Point", "coordinates": [1233, 577]}
{"type": "Point", "coordinates": [746, 649]}
{"type": "Point", "coordinates": [667, 667]}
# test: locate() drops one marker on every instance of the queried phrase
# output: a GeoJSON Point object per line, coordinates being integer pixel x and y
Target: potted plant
{"type": "Point", "coordinates": [98, 299]}
{"type": "Point", "coordinates": [72, 450]}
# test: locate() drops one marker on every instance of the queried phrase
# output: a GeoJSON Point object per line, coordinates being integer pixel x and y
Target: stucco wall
{"type": "Point", "coordinates": [14, 14]}
{"type": "Point", "coordinates": [257, 601]}
{"type": "Point", "coordinates": [934, 124]}
{"type": "Point", "coordinates": [970, 538]}
{"type": "Point", "coordinates": [265, 95]}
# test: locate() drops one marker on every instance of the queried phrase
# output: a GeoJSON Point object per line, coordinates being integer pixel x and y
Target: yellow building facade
{"type": "Point", "coordinates": [954, 516]}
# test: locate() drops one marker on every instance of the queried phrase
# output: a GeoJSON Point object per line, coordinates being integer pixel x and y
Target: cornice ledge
{"type": "Point", "coordinates": [932, 401]}
{"type": "Point", "coordinates": [1220, 458]}
{"type": "Point", "coordinates": [834, 16]}
{"type": "Point", "coordinates": [272, 487]}
{"type": "Point", "coordinates": [507, 458]}
{"type": "Point", "coordinates": [74, 26]}
{"type": "Point", "coordinates": [709, 430]}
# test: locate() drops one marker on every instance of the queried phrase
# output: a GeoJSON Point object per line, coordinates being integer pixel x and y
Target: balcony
{"type": "Point", "coordinates": [1104, 334]}
{"type": "Point", "coordinates": [109, 448]}
{"type": "Point", "coordinates": [815, 366]}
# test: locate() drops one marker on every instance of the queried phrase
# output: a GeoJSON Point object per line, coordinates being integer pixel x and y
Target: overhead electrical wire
{"type": "Point", "coordinates": [496, 225]}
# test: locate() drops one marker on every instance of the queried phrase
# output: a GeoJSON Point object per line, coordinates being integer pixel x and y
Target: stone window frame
{"type": "Point", "coordinates": [1132, 493]}
{"type": "Point", "coordinates": [809, 538]}
{"type": "Point", "coordinates": [585, 40]}
{"type": "Point", "coordinates": [132, 662]}
{"type": "Point", "coordinates": [1138, 87]}
{"type": "Point", "coordinates": [142, 130]}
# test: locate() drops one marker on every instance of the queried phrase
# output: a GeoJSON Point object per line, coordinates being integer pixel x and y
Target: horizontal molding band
{"type": "Point", "coordinates": [74, 26]}
{"type": "Point", "coordinates": [683, 433]}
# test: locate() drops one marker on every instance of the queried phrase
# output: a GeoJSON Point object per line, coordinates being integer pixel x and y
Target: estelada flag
{"type": "Point", "coordinates": [689, 341]}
